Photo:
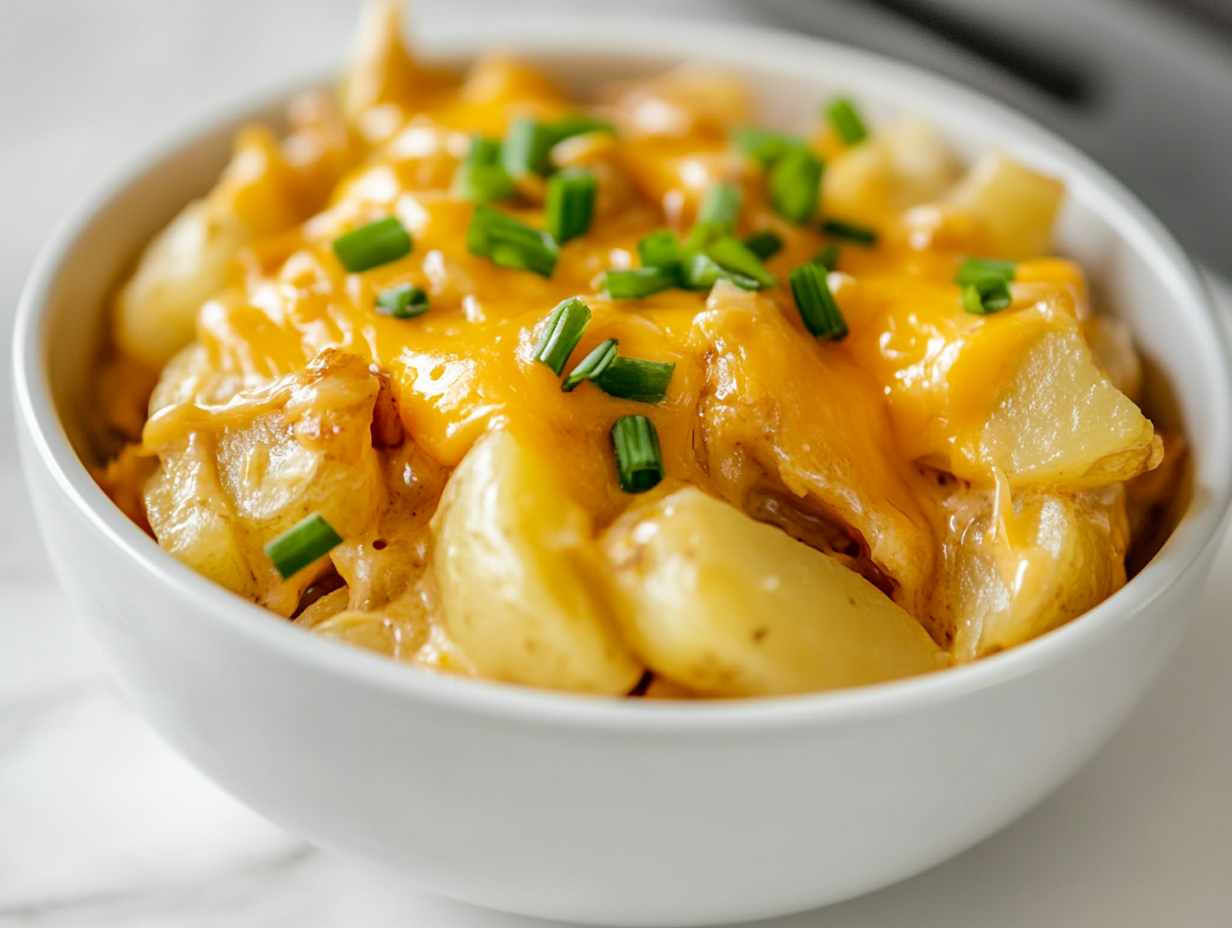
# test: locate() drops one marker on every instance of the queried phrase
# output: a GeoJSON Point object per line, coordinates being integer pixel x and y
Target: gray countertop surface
{"type": "Point", "coordinates": [102, 825]}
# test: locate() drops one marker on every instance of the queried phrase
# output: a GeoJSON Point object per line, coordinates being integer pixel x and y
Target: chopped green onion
{"type": "Point", "coordinates": [636, 283]}
{"type": "Point", "coordinates": [592, 365]}
{"type": "Point", "coordinates": [660, 249]}
{"type": "Point", "coordinates": [481, 178]}
{"type": "Point", "coordinates": [827, 257]}
{"type": "Point", "coordinates": [300, 545]}
{"type": "Point", "coordinates": [562, 333]}
{"type": "Point", "coordinates": [731, 255]}
{"type": "Point", "coordinates": [527, 147]}
{"type": "Point", "coordinates": [815, 302]}
{"type": "Point", "coordinates": [404, 302]}
{"type": "Point", "coordinates": [764, 146]}
{"type": "Point", "coordinates": [570, 203]}
{"type": "Point", "coordinates": [721, 205]}
{"type": "Point", "coordinates": [579, 124]}
{"type": "Point", "coordinates": [372, 245]}
{"type": "Point", "coordinates": [986, 295]}
{"type": "Point", "coordinates": [845, 119]}
{"type": "Point", "coordinates": [638, 457]}
{"type": "Point", "coordinates": [510, 243]}
{"type": "Point", "coordinates": [795, 183]}
{"type": "Point", "coordinates": [974, 269]}
{"type": "Point", "coordinates": [636, 379]}
{"type": "Point", "coordinates": [764, 244]}
{"type": "Point", "coordinates": [701, 272]}
{"type": "Point", "coordinates": [861, 235]}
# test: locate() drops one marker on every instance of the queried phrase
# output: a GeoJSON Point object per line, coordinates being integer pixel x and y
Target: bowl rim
{"type": "Point", "coordinates": [635, 39]}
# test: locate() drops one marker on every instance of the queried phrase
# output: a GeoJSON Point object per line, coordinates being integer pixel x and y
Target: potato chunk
{"type": "Point", "coordinates": [517, 575]}
{"type": "Point", "coordinates": [1017, 205]}
{"type": "Point", "coordinates": [728, 606]}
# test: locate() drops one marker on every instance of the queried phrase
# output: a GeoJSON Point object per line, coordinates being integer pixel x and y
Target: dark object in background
{"type": "Point", "coordinates": [1144, 88]}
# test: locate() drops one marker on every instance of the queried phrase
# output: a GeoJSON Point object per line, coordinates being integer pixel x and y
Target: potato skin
{"type": "Point", "coordinates": [517, 576]}
{"type": "Point", "coordinates": [727, 606]}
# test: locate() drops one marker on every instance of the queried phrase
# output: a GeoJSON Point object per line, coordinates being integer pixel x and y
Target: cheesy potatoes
{"type": "Point", "coordinates": [629, 396]}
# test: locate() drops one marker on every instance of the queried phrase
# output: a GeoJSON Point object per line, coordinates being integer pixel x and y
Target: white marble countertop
{"type": "Point", "coordinates": [102, 825]}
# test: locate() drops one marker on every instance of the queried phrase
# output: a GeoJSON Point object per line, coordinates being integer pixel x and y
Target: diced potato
{"type": "Point", "coordinates": [182, 267]}
{"type": "Point", "coordinates": [1058, 420]}
{"type": "Point", "coordinates": [1112, 345]}
{"type": "Point", "coordinates": [727, 606]}
{"type": "Point", "coordinates": [893, 170]}
{"type": "Point", "coordinates": [1021, 564]}
{"type": "Point", "coordinates": [681, 102]}
{"type": "Point", "coordinates": [518, 575]}
{"type": "Point", "coordinates": [1018, 205]}
{"type": "Point", "coordinates": [234, 477]}
{"type": "Point", "coordinates": [380, 71]}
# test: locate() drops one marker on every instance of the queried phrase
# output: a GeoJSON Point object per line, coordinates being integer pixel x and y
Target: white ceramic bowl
{"type": "Point", "coordinates": [607, 811]}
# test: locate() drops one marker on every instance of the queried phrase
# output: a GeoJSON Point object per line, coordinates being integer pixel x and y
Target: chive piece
{"type": "Point", "coordinates": [570, 203]}
{"type": "Point", "coordinates": [974, 269]}
{"type": "Point", "coordinates": [861, 235]}
{"type": "Point", "coordinates": [638, 457]}
{"type": "Point", "coordinates": [764, 244]}
{"type": "Point", "coordinates": [591, 366]}
{"type": "Point", "coordinates": [636, 379]}
{"type": "Point", "coordinates": [845, 119]}
{"type": "Point", "coordinates": [404, 302]}
{"type": "Point", "coordinates": [300, 545]}
{"type": "Point", "coordinates": [764, 145]}
{"type": "Point", "coordinates": [721, 204]}
{"type": "Point", "coordinates": [660, 249]}
{"type": "Point", "coordinates": [372, 245]}
{"type": "Point", "coordinates": [527, 147]}
{"type": "Point", "coordinates": [731, 255]}
{"type": "Point", "coordinates": [562, 333]}
{"type": "Point", "coordinates": [827, 257]}
{"type": "Point", "coordinates": [815, 302]}
{"type": "Point", "coordinates": [986, 295]}
{"type": "Point", "coordinates": [638, 282]}
{"type": "Point", "coordinates": [794, 184]}
{"type": "Point", "coordinates": [579, 124]}
{"type": "Point", "coordinates": [510, 243]}
{"type": "Point", "coordinates": [481, 178]}
{"type": "Point", "coordinates": [701, 272]}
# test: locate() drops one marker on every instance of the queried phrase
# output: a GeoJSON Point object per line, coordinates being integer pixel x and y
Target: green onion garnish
{"type": "Point", "coordinates": [815, 302]}
{"type": "Point", "coordinates": [827, 257]}
{"type": "Point", "coordinates": [636, 379]}
{"type": "Point", "coordinates": [732, 255]}
{"type": "Point", "coordinates": [372, 245]}
{"type": "Point", "coordinates": [579, 124]}
{"type": "Point", "coordinates": [592, 365]}
{"type": "Point", "coordinates": [764, 145]}
{"type": "Point", "coordinates": [660, 249]}
{"type": "Point", "coordinates": [562, 333]}
{"type": "Point", "coordinates": [300, 545]}
{"type": "Point", "coordinates": [481, 178]}
{"type": "Point", "coordinates": [638, 282]}
{"type": "Point", "coordinates": [794, 184]}
{"type": "Point", "coordinates": [986, 295]}
{"type": "Point", "coordinates": [721, 204]}
{"type": "Point", "coordinates": [527, 147]}
{"type": "Point", "coordinates": [404, 302]}
{"type": "Point", "coordinates": [861, 235]}
{"type": "Point", "coordinates": [764, 244]}
{"type": "Point", "coordinates": [638, 457]}
{"type": "Point", "coordinates": [974, 269]}
{"type": "Point", "coordinates": [845, 119]}
{"type": "Point", "coordinates": [570, 203]}
{"type": "Point", "coordinates": [701, 272]}
{"type": "Point", "coordinates": [510, 243]}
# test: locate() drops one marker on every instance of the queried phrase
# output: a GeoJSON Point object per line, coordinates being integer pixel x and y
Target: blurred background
{"type": "Point", "coordinates": [101, 825]}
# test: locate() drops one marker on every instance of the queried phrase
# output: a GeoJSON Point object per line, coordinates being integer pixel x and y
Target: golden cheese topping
{"type": "Point", "coordinates": [930, 452]}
